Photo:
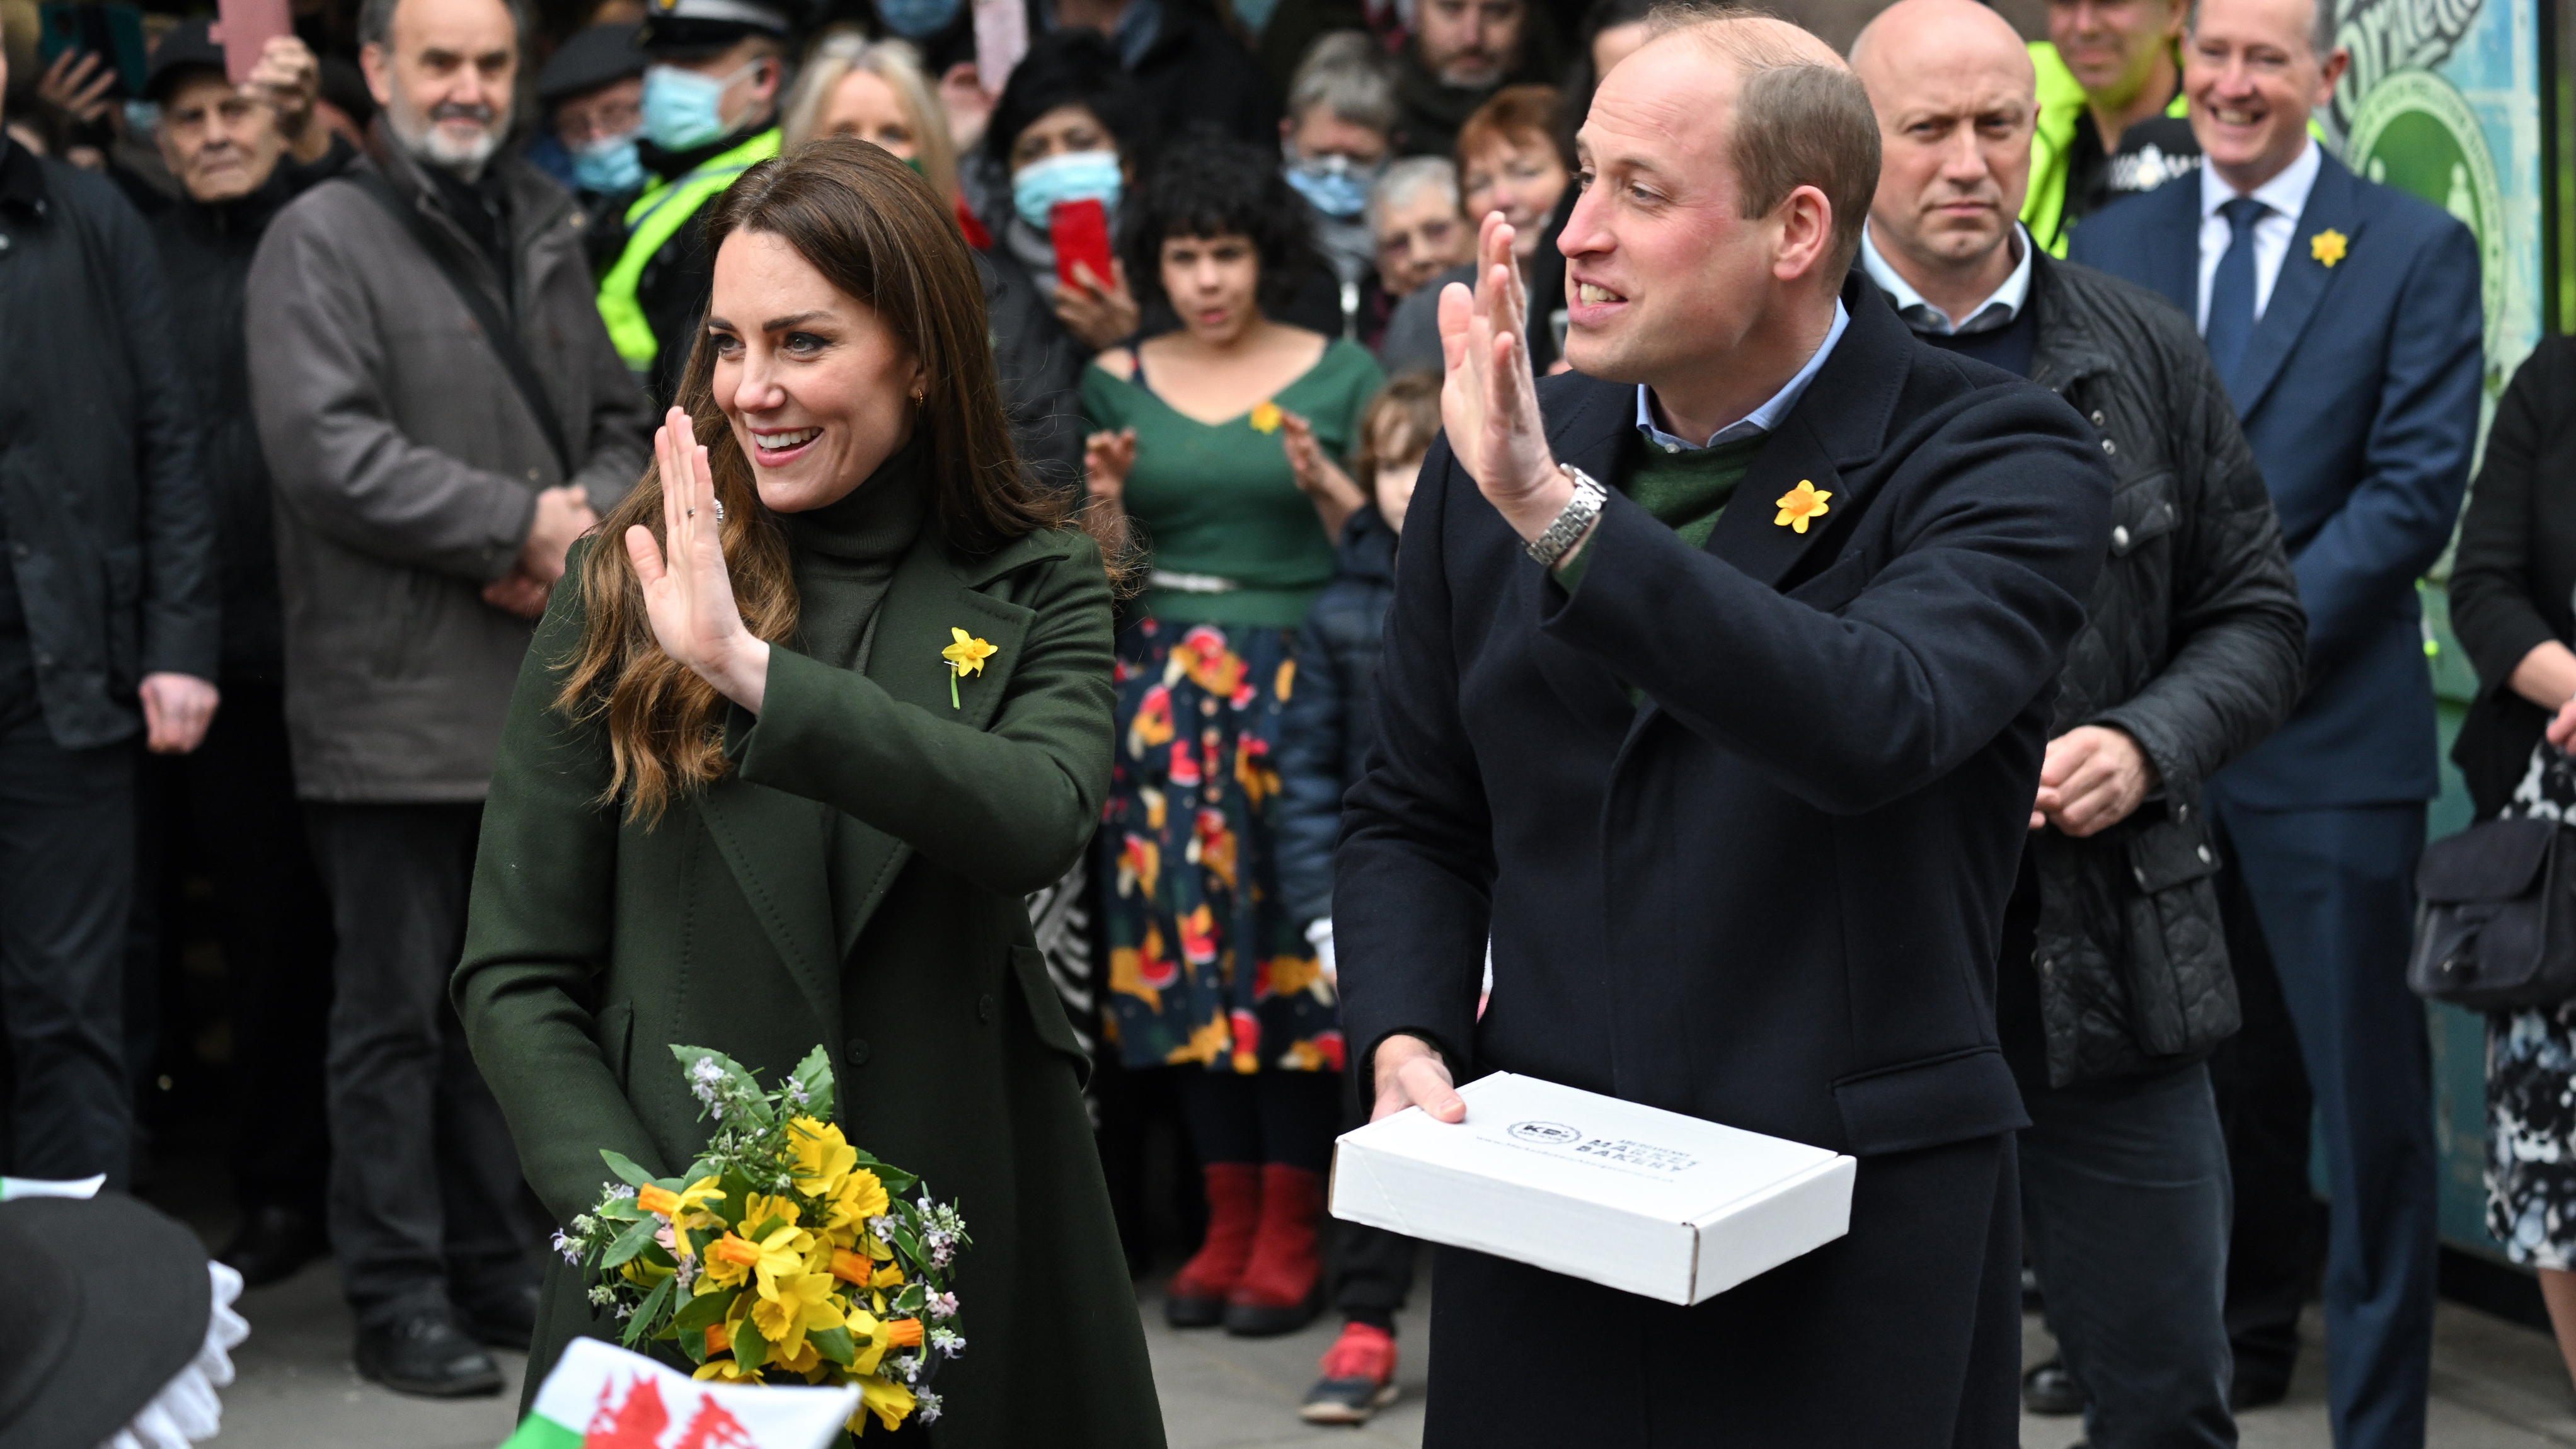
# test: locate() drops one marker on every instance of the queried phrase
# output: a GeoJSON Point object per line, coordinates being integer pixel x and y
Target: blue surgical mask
{"type": "Point", "coordinates": [608, 165]}
{"type": "Point", "coordinates": [1038, 188]}
{"type": "Point", "coordinates": [917, 19]}
{"type": "Point", "coordinates": [684, 110]}
{"type": "Point", "coordinates": [142, 118]}
{"type": "Point", "coordinates": [1333, 184]}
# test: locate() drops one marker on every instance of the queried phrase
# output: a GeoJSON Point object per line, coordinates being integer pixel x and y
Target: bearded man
{"type": "Point", "coordinates": [442, 416]}
{"type": "Point", "coordinates": [1715, 692]}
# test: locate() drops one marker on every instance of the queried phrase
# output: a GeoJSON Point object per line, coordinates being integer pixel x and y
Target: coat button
{"type": "Point", "coordinates": [2182, 812]}
{"type": "Point", "coordinates": [2140, 874]}
{"type": "Point", "coordinates": [2097, 417]}
{"type": "Point", "coordinates": [2120, 536]}
{"type": "Point", "coordinates": [2204, 855]}
{"type": "Point", "coordinates": [858, 1052]}
{"type": "Point", "coordinates": [984, 1008]}
{"type": "Point", "coordinates": [4, 241]}
{"type": "Point", "coordinates": [2109, 448]}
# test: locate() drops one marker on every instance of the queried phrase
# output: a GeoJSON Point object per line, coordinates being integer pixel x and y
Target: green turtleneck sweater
{"type": "Point", "coordinates": [1686, 489]}
{"type": "Point", "coordinates": [844, 555]}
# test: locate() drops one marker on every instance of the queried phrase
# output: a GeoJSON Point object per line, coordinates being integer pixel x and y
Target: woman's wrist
{"type": "Point", "coordinates": [2546, 676]}
{"type": "Point", "coordinates": [741, 673]}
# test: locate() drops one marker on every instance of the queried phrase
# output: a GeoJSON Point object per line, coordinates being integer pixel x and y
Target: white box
{"type": "Point", "coordinates": [1628, 1196]}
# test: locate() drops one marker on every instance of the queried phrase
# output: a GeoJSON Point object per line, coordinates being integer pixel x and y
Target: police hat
{"type": "Point", "coordinates": [681, 27]}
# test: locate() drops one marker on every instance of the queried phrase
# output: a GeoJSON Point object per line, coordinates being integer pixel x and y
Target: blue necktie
{"type": "Point", "coordinates": [2231, 288]}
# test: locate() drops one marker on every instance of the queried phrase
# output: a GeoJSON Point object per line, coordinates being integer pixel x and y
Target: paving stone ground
{"type": "Point", "coordinates": [2495, 1386]}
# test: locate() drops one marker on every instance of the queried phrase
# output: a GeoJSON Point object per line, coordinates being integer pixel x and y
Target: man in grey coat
{"type": "Point", "coordinates": [443, 415]}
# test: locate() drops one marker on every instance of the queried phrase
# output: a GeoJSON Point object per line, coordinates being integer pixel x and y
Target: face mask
{"type": "Point", "coordinates": [142, 117]}
{"type": "Point", "coordinates": [914, 19]}
{"type": "Point", "coordinates": [1255, 14]}
{"type": "Point", "coordinates": [1039, 188]}
{"type": "Point", "coordinates": [608, 166]}
{"type": "Point", "coordinates": [683, 110]}
{"type": "Point", "coordinates": [1335, 186]}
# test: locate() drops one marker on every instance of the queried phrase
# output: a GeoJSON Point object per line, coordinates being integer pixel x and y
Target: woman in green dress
{"type": "Point", "coordinates": [745, 802]}
{"type": "Point", "coordinates": [1207, 971]}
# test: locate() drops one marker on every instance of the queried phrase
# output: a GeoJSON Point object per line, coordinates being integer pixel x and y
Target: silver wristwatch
{"type": "Point", "coordinates": [1580, 510]}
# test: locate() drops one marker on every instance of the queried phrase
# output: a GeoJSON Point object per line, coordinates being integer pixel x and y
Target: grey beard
{"type": "Point", "coordinates": [421, 141]}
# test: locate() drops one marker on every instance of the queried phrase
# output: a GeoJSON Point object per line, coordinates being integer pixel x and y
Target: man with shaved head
{"type": "Point", "coordinates": [2113, 984]}
{"type": "Point", "coordinates": [1715, 692]}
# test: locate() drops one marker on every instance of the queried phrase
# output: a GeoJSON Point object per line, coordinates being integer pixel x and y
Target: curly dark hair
{"type": "Point", "coordinates": [1210, 187]}
{"type": "Point", "coordinates": [1071, 68]}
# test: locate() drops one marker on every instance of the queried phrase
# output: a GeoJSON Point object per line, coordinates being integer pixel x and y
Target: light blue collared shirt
{"type": "Point", "coordinates": [1762, 419]}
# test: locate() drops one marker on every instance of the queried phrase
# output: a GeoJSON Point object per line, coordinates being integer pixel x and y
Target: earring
{"type": "Point", "coordinates": [917, 394]}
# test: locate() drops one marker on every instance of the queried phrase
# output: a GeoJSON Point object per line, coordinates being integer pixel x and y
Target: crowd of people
{"type": "Point", "coordinates": [350, 371]}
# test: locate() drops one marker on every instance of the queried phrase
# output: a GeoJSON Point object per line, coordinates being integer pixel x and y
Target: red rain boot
{"type": "Point", "coordinates": [1197, 1295]}
{"type": "Point", "coordinates": [1282, 1288]}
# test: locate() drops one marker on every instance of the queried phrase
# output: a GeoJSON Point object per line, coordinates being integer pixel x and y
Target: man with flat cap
{"type": "Point", "coordinates": [711, 83]}
{"type": "Point", "coordinates": [1715, 692]}
{"type": "Point", "coordinates": [592, 94]}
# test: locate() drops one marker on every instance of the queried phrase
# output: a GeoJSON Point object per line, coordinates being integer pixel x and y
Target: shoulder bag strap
{"type": "Point", "coordinates": [496, 329]}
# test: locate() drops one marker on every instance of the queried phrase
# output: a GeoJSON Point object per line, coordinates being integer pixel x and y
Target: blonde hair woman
{"type": "Point", "coordinates": [874, 90]}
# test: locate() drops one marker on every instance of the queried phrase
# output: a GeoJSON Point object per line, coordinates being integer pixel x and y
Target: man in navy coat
{"type": "Point", "coordinates": [1715, 691]}
{"type": "Point", "coordinates": [2343, 317]}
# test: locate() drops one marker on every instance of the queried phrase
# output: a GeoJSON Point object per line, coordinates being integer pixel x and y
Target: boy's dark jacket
{"type": "Point", "coordinates": [1331, 718]}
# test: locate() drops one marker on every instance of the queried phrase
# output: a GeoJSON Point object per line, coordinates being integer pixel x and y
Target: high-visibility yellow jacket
{"type": "Point", "coordinates": [2052, 144]}
{"type": "Point", "coordinates": [651, 221]}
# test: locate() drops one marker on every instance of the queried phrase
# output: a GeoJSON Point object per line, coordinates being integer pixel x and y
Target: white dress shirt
{"type": "Point", "coordinates": [1996, 311]}
{"type": "Point", "coordinates": [1762, 419]}
{"type": "Point", "coordinates": [2286, 195]}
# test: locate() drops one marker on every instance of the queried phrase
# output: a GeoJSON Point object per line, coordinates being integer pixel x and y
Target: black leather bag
{"type": "Point", "coordinates": [2498, 924]}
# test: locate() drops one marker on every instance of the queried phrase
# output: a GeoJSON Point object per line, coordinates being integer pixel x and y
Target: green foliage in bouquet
{"type": "Point", "coordinates": [783, 1254]}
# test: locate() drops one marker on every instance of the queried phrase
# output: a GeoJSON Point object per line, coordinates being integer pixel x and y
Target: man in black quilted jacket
{"type": "Point", "coordinates": [2114, 983]}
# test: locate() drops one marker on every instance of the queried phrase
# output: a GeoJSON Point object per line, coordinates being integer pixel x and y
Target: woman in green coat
{"type": "Point", "coordinates": [745, 801]}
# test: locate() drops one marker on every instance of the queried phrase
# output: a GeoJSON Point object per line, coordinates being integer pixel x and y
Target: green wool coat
{"type": "Point", "coordinates": [736, 923]}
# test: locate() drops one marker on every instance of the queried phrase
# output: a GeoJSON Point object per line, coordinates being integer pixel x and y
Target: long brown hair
{"type": "Point", "coordinates": [878, 233]}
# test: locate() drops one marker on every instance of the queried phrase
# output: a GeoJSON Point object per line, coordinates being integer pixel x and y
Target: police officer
{"type": "Point", "coordinates": [2110, 119]}
{"type": "Point", "coordinates": [711, 89]}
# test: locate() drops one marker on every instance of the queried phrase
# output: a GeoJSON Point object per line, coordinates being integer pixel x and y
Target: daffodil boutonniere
{"type": "Point", "coordinates": [1799, 505]}
{"type": "Point", "coordinates": [2328, 247]}
{"type": "Point", "coordinates": [964, 657]}
{"type": "Point", "coordinates": [1266, 417]}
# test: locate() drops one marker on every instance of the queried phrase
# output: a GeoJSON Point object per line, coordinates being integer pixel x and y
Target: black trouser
{"type": "Point", "coordinates": [66, 885]}
{"type": "Point", "coordinates": [230, 807]}
{"type": "Point", "coordinates": [424, 1180]}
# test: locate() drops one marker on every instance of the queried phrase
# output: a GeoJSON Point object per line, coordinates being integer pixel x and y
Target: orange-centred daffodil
{"type": "Point", "coordinates": [964, 657]}
{"type": "Point", "coordinates": [734, 1259]}
{"type": "Point", "coordinates": [2328, 247]}
{"type": "Point", "coordinates": [1799, 505]}
{"type": "Point", "coordinates": [686, 1208]}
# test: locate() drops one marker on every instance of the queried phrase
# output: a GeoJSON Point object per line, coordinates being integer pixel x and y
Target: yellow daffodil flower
{"type": "Point", "coordinates": [727, 1370]}
{"type": "Point", "coordinates": [860, 1196]}
{"type": "Point", "coordinates": [2328, 247]}
{"type": "Point", "coordinates": [869, 1340]}
{"type": "Point", "coordinates": [1266, 417]}
{"type": "Point", "coordinates": [823, 1156]}
{"type": "Point", "coordinates": [688, 1203]}
{"type": "Point", "coordinates": [890, 1402]}
{"type": "Point", "coordinates": [964, 657]}
{"type": "Point", "coordinates": [888, 1276]}
{"type": "Point", "coordinates": [733, 1258]}
{"type": "Point", "coordinates": [1799, 505]}
{"type": "Point", "coordinates": [791, 1306]}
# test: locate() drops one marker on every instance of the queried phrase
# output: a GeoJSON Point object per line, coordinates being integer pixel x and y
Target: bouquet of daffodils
{"type": "Point", "coordinates": [784, 1254]}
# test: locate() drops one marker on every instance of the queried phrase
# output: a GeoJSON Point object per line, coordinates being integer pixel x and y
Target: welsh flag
{"type": "Point", "coordinates": [602, 1397]}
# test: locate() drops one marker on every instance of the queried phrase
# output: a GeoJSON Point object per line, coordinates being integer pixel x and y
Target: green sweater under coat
{"type": "Point", "coordinates": [857, 880]}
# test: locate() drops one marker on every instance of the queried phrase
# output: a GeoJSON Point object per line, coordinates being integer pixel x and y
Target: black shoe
{"type": "Point", "coordinates": [2256, 1393]}
{"type": "Point", "coordinates": [424, 1354]}
{"type": "Point", "coordinates": [2051, 1389]}
{"type": "Point", "coordinates": [271, 1244]}
{"type": "Point", "coordinates": [507, 1321]}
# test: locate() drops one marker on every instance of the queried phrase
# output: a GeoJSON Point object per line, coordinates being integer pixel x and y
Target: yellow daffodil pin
{"type": "Point", "coordinates": [1800, 504]}
{"type": "Point", "coordinates": [2328, 247]}
{"type": "Point", "coordinates": [964, 657]}
{"type": "Point", "coordinates": [1265, 418]}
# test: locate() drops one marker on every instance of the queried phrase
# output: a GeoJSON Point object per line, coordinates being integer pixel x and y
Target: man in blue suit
{"type": "Point", "coordinates": [2343, 317]}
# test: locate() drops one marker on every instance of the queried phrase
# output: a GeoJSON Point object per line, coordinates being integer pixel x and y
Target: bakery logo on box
{"type": "Point", "coordinates": [1634, 1154]}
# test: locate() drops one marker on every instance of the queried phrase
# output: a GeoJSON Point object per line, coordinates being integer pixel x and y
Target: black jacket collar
{"type": "Point", "coordinates": [22, 179]}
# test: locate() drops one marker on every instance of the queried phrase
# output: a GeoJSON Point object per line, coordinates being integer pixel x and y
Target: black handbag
{"type": "Point", "coordinates": [2498, 922]}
